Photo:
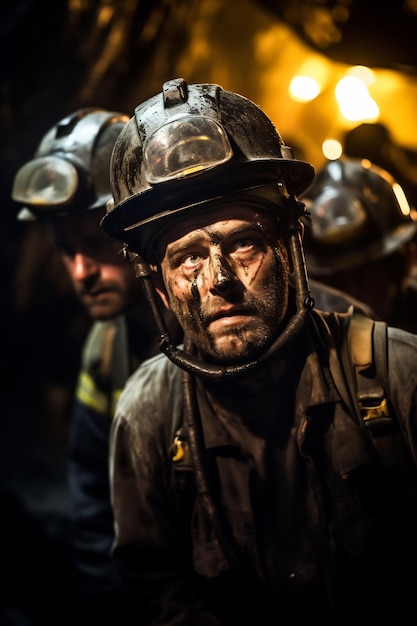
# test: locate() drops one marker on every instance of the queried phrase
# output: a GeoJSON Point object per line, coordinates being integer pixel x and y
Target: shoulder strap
{"type": "Point", "coordinates": [367, 346]}
{"type": "Point", "coordinates": [365, 355]}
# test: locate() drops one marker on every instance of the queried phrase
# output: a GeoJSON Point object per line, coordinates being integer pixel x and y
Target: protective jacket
{"type": "Point", "coordinates": [111, 352]}
{"type": "Point", "coordinates": [100, 383]}
{"type": "Point", "coordinates": [315, 520]}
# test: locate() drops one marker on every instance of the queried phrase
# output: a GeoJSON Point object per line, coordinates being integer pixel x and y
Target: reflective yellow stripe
{"type": "Point", "coordinates": [88, 394]}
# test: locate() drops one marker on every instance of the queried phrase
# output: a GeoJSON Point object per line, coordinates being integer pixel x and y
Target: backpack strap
{"type": "Point", "coordinates": [365, 360]}
{"type": "Point", "coordinates": [367, 347]}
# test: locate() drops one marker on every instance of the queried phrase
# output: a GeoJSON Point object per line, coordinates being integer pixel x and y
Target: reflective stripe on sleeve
{"type": "Point", "coordinates": [88, 394]}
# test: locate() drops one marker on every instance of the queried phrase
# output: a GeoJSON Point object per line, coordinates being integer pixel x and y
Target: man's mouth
{"type": "Point", "coordinates": [95, 294]}
{"type": "Point", "coordinates": [232, 316]}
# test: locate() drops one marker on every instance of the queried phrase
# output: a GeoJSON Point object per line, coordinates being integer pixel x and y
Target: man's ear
{"type": "Point", "coordinates": [159, 286]}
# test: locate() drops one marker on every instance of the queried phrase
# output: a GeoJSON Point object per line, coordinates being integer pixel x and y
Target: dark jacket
{"type": "Point", "coordinates": [106, 364]}
{"type": "Point", "coordinates": [313, 523]}
{"type": "Point", "coordinates": [112, 351]}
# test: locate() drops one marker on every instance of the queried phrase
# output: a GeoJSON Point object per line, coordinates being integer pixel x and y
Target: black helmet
{"type": "Point", "coordinates": [189, 145]}
{"type": "Point", "coordinates": [358, 214]}
{"type": "Point", "coordinates": [70, 169]}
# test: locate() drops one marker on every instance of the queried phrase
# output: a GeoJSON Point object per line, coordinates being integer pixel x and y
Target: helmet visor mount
{"type": "Point", "coordinates": [184, 147]}
{"type": "Point", "coordinates": [50, 184]}
{"type": "Point", "coordinates": [338, 217]}
{"type": "Point", "coordinates": [47, 181]}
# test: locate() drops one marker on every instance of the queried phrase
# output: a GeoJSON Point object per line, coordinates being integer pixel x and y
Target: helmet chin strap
{"type": "Point", "coordinates": [189, 363]}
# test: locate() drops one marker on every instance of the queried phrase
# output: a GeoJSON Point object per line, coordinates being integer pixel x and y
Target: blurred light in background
{"type": "Point", "coordinates": [332, 149]}
{"type": "Point", "coordinates": [304, 88]}
{"type": "Point", "coordinates": [355, 103]}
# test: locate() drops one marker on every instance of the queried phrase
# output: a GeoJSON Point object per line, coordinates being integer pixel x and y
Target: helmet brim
{"type": "Point", "coordinates": [135, 220]}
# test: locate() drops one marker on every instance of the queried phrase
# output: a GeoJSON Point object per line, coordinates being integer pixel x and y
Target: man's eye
{"type": "Point", "coordinates": [191, 260]}
{"type": "Point", "coordinates": [242, 244]}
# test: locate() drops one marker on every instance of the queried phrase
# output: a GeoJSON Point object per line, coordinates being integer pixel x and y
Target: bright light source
{"type": "Point", "coordinates": [365, 74]}
{"type": "Point", "coordinates": [304, 88]}
{"type": "Point", "coordinates": [354, 100]}
{"type": "Point", "coordinates": [332, 149]}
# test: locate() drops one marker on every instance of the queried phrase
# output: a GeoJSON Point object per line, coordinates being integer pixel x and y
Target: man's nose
{"type": "Point", "coordinates": [83, 267]}
{"type": "Point", "coordinates": [223, 276]}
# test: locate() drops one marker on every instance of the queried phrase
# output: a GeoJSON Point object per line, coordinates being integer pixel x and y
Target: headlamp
{"type": "Point", "coordinates": [337, 216]}
{"type": "Point", "coordinates": [184, 147]}
{"type": "Point", "coordinates": [47, 181]}
{"type": "Point", "coordinates": [51, 184]}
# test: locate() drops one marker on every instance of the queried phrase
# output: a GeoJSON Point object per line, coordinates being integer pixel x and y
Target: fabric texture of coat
{"type": "Point", "coordinates": [320, 525]}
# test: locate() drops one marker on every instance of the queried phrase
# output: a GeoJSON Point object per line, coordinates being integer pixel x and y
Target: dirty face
{"type": "Point", "coordinates": [226, 280]}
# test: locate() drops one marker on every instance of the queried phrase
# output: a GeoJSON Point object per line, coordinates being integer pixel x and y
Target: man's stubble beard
{"type": "Point", "coordinates": [252, 338]}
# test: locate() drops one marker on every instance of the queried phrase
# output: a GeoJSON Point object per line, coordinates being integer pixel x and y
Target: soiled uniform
{"type": "Point", "coordinates": [322, 526]}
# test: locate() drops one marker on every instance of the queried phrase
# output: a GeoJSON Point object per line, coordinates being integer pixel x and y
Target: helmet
{"type": "Point", "coordinates": [186, 146]}
{"type": "Point", "coordinates": [358, 214]}
{"type": "Point", "coordinates": [70, 169]}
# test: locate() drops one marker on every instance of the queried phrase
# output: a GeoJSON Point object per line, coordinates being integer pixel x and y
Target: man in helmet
{"type": "Point", "coordinates": [360, 238]}
{"type": "Point", "coordinates": [66, 186]}
{"type": "Point", "coordinates": [245, 485]}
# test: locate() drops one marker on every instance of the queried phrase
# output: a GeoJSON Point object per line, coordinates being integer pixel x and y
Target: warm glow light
{"type": "Point", "coordinates": [332, 149]}
{"type": "Point", "coordinates": [355, 103]}
{"type": "Point", "coordinates": [365, 74]}
{"type": "Point", "coordinates": [304, 88]}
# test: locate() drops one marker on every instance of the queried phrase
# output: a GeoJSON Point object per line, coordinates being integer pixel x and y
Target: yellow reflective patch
{"type": "Point", "coordinates": [87, 393]}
